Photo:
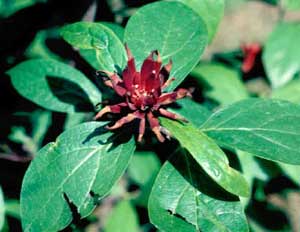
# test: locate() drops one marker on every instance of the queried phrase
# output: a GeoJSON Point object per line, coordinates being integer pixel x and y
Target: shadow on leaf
{"type": "Point", "coordinates": [117, 137]}
{"type": "Point", "coordinates": [70, 93]}
{"type": "Point", "coordinates": [197, 177]}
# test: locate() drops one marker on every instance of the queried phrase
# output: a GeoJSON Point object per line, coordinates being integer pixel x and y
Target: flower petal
{"type": "Point", "coordinates": [110, 109]}
{"type": "Point", "coordinates": [130, 73]}
{"type": "Point", "coordinates": [171, 115]}
{"type": "Point", "coordinates": [155, 126]}
{"type": "Point", "coordinates": [150, 72]}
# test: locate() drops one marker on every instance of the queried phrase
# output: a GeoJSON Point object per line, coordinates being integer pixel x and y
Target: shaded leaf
{"type": "Point", "coordinates": [142, 170]}
{"type": "Point", "coordinates": [123, 218]}
{"type": "Point", "coordinates": [185, 199]}
{"type": "Point", "coordinates": [181, 39]}
{"type": "Point", "coordinates": [210, 11]}
{"type": "Point", "coordinates": [19, 135]}
{"type": "Point", "coordinates": [250, 167]}
{"type": "Point", "coordinates": [99, 45]}
{"type": "Point", "coordinates": [41, 121]}
{"type": "Point", "coordinates": [80, 167]}
{"type": "Point", "coordinates": [143, 167]}
{"type": "Point", "coordinates": [281, 54]}
{"type": "Point", "coordinates": [54, 85]}
{"type": "Point", "coordinates": [266, 128]}
{"type": "Point", "coordinates": [38, 47]}
{"type": "Point", "coordinates": [74, 119]}
{"type": "Point", "coordinates": [7, 8]}
{"type": "Point", "coordinates": [221, 83]}
{"type": "Point", "coordinates": [2, 210]}
{"type": "Point", "coordinates": [209, 156]}
{"type": "Point", "coordinates": [251, 171]}
{"type": "Point", "coordinates": [12, 208]}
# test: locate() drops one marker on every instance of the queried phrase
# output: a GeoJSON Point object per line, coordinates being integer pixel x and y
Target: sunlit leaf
{"type": "Point", "coordinates": [116, 28]}
{"type": "Point", "coordinates": [266, 128]}
{"type": "Point", "coordinates": [157, 26]}
{"type": "Point", "coordinates": [185, 199]}
{"type": "Point", "coordinates": [209, 156]}
{"type": "Point", "coordinates": [281, 54]}
{"type": "Point", "coordinates": [80, 167]}
{"type": "Point", "coordinates": [54, 85]}
{"type": "Point", "coordinates": [99, 45]}
{"type": "Point", "coordinates": [210, 11]}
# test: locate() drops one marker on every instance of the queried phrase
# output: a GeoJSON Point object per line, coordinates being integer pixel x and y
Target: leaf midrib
{"type": "Point", "coordinates": [60, 187]}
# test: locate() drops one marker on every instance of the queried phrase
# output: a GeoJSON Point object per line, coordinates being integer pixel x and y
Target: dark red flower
{"type": "Point", "coordinates": [250, 51]}
{"type": "Point", "coordinates": [143, 94]}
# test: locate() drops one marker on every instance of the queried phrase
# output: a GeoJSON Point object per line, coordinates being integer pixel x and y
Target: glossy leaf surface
{"type": "Point", "coordinates": [99, 45]}
{"type": "Point", "coordinates": [211, 11]}
{"type": "Point", "coordinates": [80, 167]}
{"type": "Point", "coordinates": [54, 86]}
{"type": "Point", "coordinates": [157, 27]}
{"type": "Point", "coordinates": [266, 128]}
{"type": "Point", "coordinates": [185, 199]}
{"type": "Point", "coordinates": [209, 156]}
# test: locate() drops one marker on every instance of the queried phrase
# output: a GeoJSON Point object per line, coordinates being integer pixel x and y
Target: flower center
{"type": "Point", "coordinates": [142, 99]}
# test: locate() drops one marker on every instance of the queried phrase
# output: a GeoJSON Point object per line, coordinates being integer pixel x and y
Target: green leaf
{"type": "Point", "coordinates": [250, 167]}
{"type": "Point", "coordinates": [192, 111]}
{"type": "Point", "coordinates": [209, 156]}
{"type": "Point", "coordinates": [122, 219]}
{"type": "Point", "coordinates": [291, 4]}
{"type": "Point", "coordinates": [292, 171]}
{"type": "Point", "coordinates": [12, 208]}
{"type": "Point", "coordinates": [289, 92]}
{"type": "Point", "coordinates": [7, 8]}
{"type": "Point", "coordinates": [2, 210]}
{"type": "Point", "coordinates": [142, 170]}
{"type": "Point", "coordinates": [185, 199]}
{"type": "Point", "coordinates": [38, 47]}
{"type": "Point", "coordinates": [54, 86]}
{"type": "Point", "coordinates": [116, 28]}
{"type": "Point", "coordinates": [281, 54]}
{"type": "Point", "coordinates": [74, 119]}
{"type": "Point", "coordinates": [143, 167]}
{"type": "Point", "coordinates": [80, 167]}
{"type": "Point", "coordinates": [251, 170]}
{"type": "Point", "coordinates": [266, 128]}
{"type": "Point", "coordinates": [272, 2]}
{"type": "Point", "coordinates": [41, 121]}
{"type": "Point", "coordinates": [18, 135]}
{"type": "Point", "coordinates": [221, 83]}
{"type": "Point", "coordinates": [173, 29]}
{"type": "Point", "coordinates": [99, 45]}
{"type": "Point", "coordinates": [210, 11]}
